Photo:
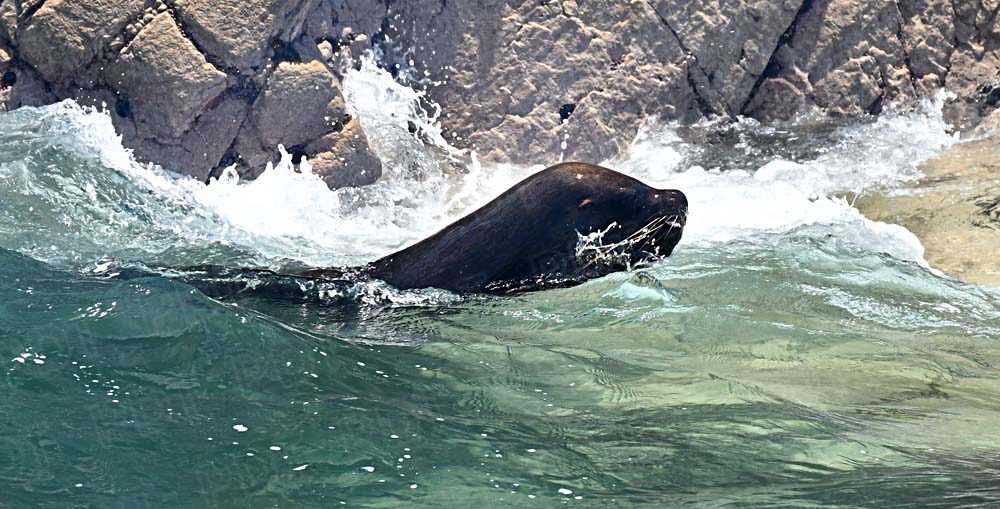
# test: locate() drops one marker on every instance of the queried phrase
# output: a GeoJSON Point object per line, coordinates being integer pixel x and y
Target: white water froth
{"type": "Point", "coordinates": [785, 195]}
{"type": "Point", "coordinates": [286, 214]}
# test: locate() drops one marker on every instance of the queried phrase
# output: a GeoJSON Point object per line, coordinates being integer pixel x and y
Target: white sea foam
{"type": "Point", "coordinates": [784, 195]}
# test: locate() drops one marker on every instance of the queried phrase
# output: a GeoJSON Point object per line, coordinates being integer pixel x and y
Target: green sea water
{"type": "Point", "coordinates": [791, 353]}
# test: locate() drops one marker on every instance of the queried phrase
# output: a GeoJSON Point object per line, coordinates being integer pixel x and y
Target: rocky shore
{"type": "Point", "coordinates": [199, 85]}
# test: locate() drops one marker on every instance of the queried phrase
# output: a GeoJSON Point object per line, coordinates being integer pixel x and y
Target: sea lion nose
{"type": "Point", "coordinates": [683, 200]}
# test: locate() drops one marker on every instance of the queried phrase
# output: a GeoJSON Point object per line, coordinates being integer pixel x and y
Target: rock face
{"type": "Point", "coordinates": [161, 58]}
{"type": "Point", "coordinates": [239, 32]}
{"type": "Point", "coordinates": [63, 36]}
{"type": "Point", "coordinates": [517, 68]}
{"type": "Point", "coordinates": [190, 84]}
{"type": "Point", "coordinates": [198, 85]}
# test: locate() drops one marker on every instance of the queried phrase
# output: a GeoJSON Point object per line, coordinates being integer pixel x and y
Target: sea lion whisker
{"type": "Point", "coordinates": [647, 232]}
{"type": "Point", "coordinates": [653, 235]}
{"type": "Point", "coordinates": [640, 231]}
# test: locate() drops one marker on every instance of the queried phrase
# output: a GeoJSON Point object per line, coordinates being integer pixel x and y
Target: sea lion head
{"type": "Point", "coordinates": [623, 223]}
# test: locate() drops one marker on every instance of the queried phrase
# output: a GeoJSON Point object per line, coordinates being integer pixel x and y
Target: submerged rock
{"type": "Point", "coordinates": [954, 209]}
{"type": "Point", "coordinates": [300, 103]}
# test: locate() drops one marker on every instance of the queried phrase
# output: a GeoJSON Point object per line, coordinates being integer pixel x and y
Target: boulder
{"type": "Point", "coordinates": [300, 103]}
{"type": "Point", "coordinates": [202, 147]}
{"type": "Point", "coordinates": [302, 108]}
{"type": "Point", "coordinates": [361, 16]}
{"type": "Point", "coordinates": [165, 80]}
{"type": "Point", "coordinates": [239, 33]}
{"type": "Point", "coordinates": [64, 36]}
{"type": "Point", "coordinates": [344, 159]}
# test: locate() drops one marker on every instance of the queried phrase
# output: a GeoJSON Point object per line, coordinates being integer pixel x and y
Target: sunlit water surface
{"type": "Point", "coordinates": [791, 353]}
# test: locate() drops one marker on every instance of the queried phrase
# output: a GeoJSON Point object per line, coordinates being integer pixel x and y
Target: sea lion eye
{"type": "Point", "coordinates": [584, 203]}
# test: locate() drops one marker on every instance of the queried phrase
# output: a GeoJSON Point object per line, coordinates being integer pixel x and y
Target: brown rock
{"type": "Point", "coordinates": [513, 67]}
{"type": "Point", "coordinates": [928, 34]}
{"type": "Point", "coordinates": [63, 36]}
{"type": "Point", "coordinates": [989, 126]}
{"type": "Point", "coordinates": [239, 32]}
{"type": "Point", "coordinates": [203, 146]}
{"type": "Point", "coordinates": [970, 67]}
{"type": "Point", "coordinates": [344, 159]}
{"type": "Point", "coordinates": [301, 103]}
{"type": "Point", "coordinates": [5, 58]}
{"type": "Point", "coordinates": [850, 54]}
{"type": "Point", "coordinates": [325, 49]}
{"type": "Point", "coordinates": [167, 81]}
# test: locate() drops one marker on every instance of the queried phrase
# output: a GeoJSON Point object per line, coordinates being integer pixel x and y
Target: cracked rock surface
{"type": "Point", "coordinates": [508, 68]}
{"type": "Point", "coordinates": [160, 57]}
{"type": "Point", "coordinates": [193, 85]}
{"type": "Point", "coordinates": [199, 85]}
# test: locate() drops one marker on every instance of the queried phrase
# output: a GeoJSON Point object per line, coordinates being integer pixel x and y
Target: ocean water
{"type": "Point", "coordinates": [791, 353]}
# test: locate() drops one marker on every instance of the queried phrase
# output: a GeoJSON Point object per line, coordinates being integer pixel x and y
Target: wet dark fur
{"type": "Point", "coordinates": [527, 238]}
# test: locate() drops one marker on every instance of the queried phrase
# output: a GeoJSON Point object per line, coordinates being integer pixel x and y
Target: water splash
{"type": "Point", "coordinates": [783, 195]}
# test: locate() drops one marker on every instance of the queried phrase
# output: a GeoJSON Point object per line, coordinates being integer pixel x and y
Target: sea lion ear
{"type": "Point", "coordinates": [584, 203]}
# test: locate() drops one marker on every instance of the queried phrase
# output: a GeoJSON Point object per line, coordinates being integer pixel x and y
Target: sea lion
{"type": "Point", "coordinates": [561, 226]}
